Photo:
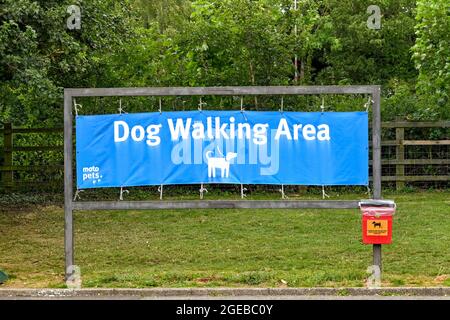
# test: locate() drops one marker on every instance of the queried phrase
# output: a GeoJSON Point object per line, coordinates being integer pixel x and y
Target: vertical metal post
{"type": "Point", "coordinates": [376, 144]}
{"type": "Point", "coordinates": [376, 166]}
{"type": "Point", "coordinates": [377, 258]}
{"type": "Point", "coordinates": [68, 185]}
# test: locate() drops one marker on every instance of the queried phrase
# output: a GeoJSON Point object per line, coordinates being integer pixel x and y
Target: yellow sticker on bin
{"type": "Point", "coordinates": [377, 227]}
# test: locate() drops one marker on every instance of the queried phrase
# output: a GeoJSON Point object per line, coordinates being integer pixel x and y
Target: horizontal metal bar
{"type": "Point", "coordinates": [34, 148]}
{"type": "Point", "coordinates": [414, 161]}
{"type": "Point", "coordinates": [37, 130]}
{"type": "Point", "coordinates": [414, 143]}
{"type": "Point", "coordinates": [215, 204]}
{"type": "Point", "coordinates": [415, 178]}
{"type": "Point", "coordinates": [222, 91]}
{"type": "Point", "coordinates": [40, 184]}
{"type": "Point", "coordinates": [32, 168]}
{"type": "Point", "coordinates": [418, 124]}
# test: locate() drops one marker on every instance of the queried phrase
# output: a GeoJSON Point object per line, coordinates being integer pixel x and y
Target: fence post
{"type": "Point", "coordinates": [399, 156]}
{"type": "Point", "coordinates": [7, 176]}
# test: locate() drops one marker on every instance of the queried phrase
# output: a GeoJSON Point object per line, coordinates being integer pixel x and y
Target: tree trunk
{"type": "Point", "coordinates": [252, 79]}
{"type": "Point", "coordinates": [302, 70]}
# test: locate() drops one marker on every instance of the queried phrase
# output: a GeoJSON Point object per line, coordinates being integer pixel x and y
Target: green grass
{"type": "Point", "coordinates": [233, 248]}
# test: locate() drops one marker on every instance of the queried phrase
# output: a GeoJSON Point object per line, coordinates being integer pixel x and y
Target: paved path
{"type": "Point", "coordinates": [439, 293]}
{"type": "Point", "coordinates": [255, 298]}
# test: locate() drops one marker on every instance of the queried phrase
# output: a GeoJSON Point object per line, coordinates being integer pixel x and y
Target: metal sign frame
{"type": "Point", "coordinates": [70, 205]}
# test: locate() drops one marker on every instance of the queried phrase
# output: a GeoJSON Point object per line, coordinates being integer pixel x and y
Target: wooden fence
{"type": "Point", "coordinates": [399, 161]}
{"type": "Point", "coordinates": [9, 149]}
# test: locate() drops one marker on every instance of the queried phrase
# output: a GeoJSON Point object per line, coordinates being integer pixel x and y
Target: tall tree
{"type": "Point", "coordinates": [165, 14]}
{"type": "Point", "coordinates": [39, 55]}
{"type": "Point", "coordinates": [251, 42]}
{"type": "Point", "coordinates": [432, 56]}
{"type": "Point", "coordinates": [361, 55]}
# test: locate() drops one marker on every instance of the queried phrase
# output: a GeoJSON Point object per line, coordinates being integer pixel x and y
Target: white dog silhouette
{"type": "Point", "coordinates": [219, 163]}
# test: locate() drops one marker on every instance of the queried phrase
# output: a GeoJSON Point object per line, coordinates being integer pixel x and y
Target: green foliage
{"type": "Point", "coordinates": [256, 53]}
{"type": "Point", "coordinates": [215, 43]}
{"type": "Point", "coordinates": [400, 102]}
{"type": "Point", "coordinates": [241, 42]}
{"type": "Point", "coordinates": [166, 15]}
{"type": "Point", "coordinates": [227, 43]}
{"type": "Point", "coordinates": [432, 55]}
{"type": "Point", "coordinates": [254, 43]}
{"type": "Point", "coordinates": [39, 55]}
{"type": "Point", "coordinates": [360, 55]}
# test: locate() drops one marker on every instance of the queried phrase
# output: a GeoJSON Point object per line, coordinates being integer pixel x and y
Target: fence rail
{"type": "Point", "coordinates": [8, 169]}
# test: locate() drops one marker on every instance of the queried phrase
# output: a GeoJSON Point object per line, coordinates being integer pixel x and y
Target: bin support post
{"type": "Point", "coordinates": [377, 257]}
{"type": "Point", "coordinates": [68, 186]}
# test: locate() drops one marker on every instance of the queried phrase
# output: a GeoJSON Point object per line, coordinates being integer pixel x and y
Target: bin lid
{"type": "Point", "coordinates": [377, 203]}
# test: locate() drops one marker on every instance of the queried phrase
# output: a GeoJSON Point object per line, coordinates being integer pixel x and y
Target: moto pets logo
{"type": "Point", "coordinates": [92, 174]}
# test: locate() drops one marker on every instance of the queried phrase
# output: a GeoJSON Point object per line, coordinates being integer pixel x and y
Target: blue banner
{"type": "Point", "coordinates": [292, 148]}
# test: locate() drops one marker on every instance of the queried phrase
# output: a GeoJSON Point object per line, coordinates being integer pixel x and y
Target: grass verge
{"type": "Point", "coordinates": [233, 248]}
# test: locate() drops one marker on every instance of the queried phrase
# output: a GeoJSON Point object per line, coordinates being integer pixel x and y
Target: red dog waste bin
{"type": "Point", "coordinates": [377, 221]}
